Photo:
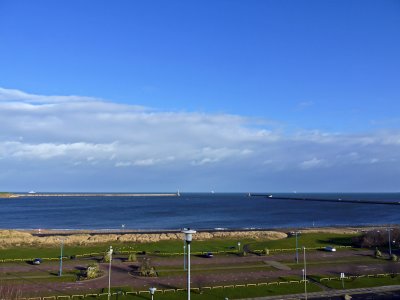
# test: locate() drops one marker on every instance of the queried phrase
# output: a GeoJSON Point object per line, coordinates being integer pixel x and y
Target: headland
{"type": "Point", "coordinates": [95, 195]}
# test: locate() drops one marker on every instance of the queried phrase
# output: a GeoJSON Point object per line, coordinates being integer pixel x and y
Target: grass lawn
{"type": "Point", "coordinates": [175, 246]}
{"type": "Point", "coordinates": [27, 252]}
{"type": "Point", "coordinates": [360, 282]}
{"type": "Point", "coordinates": [311, 240]}
{"type": "Point", "coordinates": [163, 272]}
{"type": "Point", "coordinates": [333, 261]}
{"type": "Point", "coordinates": [221, 293]}
{"type": "Point", "coordinates": [18, 277]}
{"type": "Point", "coordinates": [213, 245]}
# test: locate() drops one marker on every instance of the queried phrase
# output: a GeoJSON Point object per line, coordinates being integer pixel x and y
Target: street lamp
{"type": "Point", "coordinates": [188, 238]}
{"type": "Point", "coordinates": [110, 252]}
{"type": "Point", "coordinates": [305, 274]}
{"type": "Point", "coordinates": [152, 291]}
{"type": "Point", "coordinates": [389, 241]}
{"type": "Point", "coordinates": [184, 255]}
{"type": "Point", "coordinates": [61, 258]}
{"type": "Point", "coordinates": [238, 246]}
{"type": "Point", "coordinates": [342, 277]}
{"type": "Point", "coordinates": [297, 247]}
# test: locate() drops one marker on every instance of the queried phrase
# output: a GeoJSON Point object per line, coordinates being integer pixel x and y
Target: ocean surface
{"type": "Point", "coordinates": [194, 210]}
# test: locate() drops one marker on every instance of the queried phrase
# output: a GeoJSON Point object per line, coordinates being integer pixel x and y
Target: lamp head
{"type": "Point", "coordinates": [188, 234]}
{"type": "Point", "coordinates": [152, 290]}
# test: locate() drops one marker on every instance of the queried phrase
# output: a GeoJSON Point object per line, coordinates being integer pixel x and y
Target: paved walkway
{"type": "Point", "coordinates": [332, 293]}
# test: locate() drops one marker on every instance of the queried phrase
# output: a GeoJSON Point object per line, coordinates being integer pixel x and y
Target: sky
{"type": "Point", "coordinates": [230, 96]}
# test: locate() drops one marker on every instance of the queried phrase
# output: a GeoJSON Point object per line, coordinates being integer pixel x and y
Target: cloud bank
{"type": "Point", "coordinates": [81, 143]}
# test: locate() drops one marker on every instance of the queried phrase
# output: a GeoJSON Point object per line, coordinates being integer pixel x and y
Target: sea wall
{"type": "Point", "coordinates": [11, 238]}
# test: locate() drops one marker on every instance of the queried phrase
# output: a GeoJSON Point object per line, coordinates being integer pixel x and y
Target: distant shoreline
{"type": "Point", "coordinates": [95, 195]}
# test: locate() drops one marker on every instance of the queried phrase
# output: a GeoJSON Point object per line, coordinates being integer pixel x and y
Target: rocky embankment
{"type": "Point", "coordinates": [12, 238]}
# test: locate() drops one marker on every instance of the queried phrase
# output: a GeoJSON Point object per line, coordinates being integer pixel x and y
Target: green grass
{"type": "Point", "coordinates": [210, 270]}
{"type": "Point", "coordinates": [311, 240]}
{"type": "Point", "coordinates": [360, 282]}
{"type": "Point", "coordinates": [221, 293]}
{"type": "Point", "coordinates": [175, 246]}
{"type": "Point", "coordinates": [48, 252]}
{"type": "Point", "coordinates": [37, 279]}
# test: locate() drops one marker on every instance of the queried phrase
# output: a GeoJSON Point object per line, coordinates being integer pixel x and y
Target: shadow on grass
{"type": "Point", "coordinates": [338, 241]}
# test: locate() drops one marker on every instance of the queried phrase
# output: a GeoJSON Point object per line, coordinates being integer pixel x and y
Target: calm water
{"type": "Point", "coordinates": [192, 210]}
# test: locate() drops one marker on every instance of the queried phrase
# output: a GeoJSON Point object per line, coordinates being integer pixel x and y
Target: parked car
{"type": "Point", "coordinates": [37, 261]}
{"type": "Point", "coordinates": [330, 249]}
{"type": "Point", "coordinates": [209, 255]}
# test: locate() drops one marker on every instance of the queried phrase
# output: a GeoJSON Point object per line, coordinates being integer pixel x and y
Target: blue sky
{"type": "Point", "coordinates": [199, 95]}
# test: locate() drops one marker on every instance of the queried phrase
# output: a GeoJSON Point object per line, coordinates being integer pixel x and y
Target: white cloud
{"type": "Point", "coordinates": [86, 133]}
{"type": "Point", "coordinates": [312, 163]}
{"type": "Point", "coordinates": [17, 95]}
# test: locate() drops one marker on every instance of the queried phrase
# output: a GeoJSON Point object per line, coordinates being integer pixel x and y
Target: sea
{"type": "Point", "coordinates": [197, 211]}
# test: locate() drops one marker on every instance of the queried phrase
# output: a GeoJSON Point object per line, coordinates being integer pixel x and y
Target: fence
{"type": "Point", "coordinates": [163, 291]}
{"type": "Point", "coordinates": [380, 275]}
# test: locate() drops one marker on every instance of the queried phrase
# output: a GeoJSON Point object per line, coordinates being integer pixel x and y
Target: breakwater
{"type": "Point", "coordinates": [340, 200]}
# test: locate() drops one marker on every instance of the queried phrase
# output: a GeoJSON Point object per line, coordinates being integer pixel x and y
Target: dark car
{"type": "Point", "coordinates": [37, 261]}
{"type": "Point", "coordinates": [208, 255]}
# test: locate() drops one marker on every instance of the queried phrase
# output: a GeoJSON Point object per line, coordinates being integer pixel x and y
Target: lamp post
{"type": "Point", "coordinates": [188, 238]}
{"type": "Point", "coordinates": [342, 277]}
{"type": "Point", "coordinates": [184, 255]}
{"type": "Point", "coordinates": [239, 247]}
{"type": "Point", "coordinates": [390, 241]}
{"type": "Point", "coordinates": [110, 252]}
{"type": "Point", "coordinates": [297, 247]}
{"type": "Point", "coordinates": [305, 274]}
{"type": "Point", "coordinates": [152, 291]}
{"type": "Point", "coordinates": [61, 258]}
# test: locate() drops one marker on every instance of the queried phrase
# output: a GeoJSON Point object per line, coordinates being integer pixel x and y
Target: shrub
{"type": "Point", "coordinates": [146, 269]}
{"type": "Point", "coordinates": [106, 257]}
{"type": "Point", "coordinates": [266, 251]}
{"type": "Point", "coordinates": [378, 253]}
{"type": "Point", "coordinates": [376, 238]}
{"type": "Point", "coordinates": [132, 257]}
{"type": "Point", "coordinates": [394, 257]}
{"type": "Point", "coordinates": [92, 271]}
